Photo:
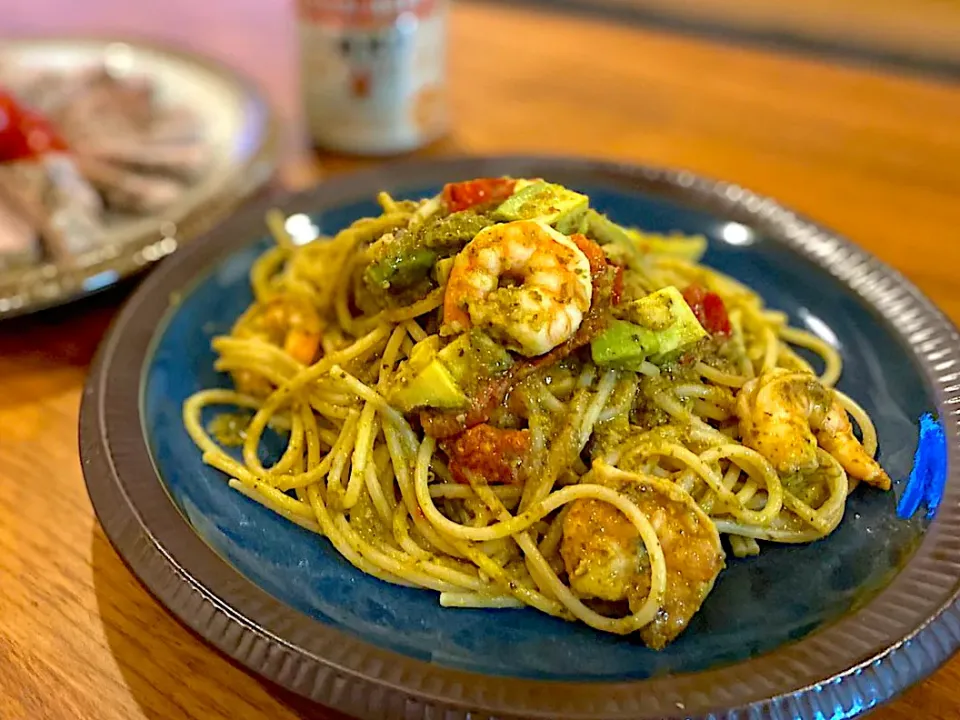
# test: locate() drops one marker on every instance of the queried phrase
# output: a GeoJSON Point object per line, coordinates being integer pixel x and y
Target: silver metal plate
{"type": "Point", "coordinates": [241, 128]}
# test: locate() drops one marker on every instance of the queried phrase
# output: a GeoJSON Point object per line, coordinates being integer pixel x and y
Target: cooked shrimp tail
{"type": "Point", "coordinates": [836, 437]}
{"type": "Point", "coordinates": [784, 415]}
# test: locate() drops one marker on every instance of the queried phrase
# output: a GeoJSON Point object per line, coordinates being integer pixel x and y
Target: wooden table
{"type": "Point", "coordinates": [877, 157]}
{"type": "Point", "coordinates": [919, 29]}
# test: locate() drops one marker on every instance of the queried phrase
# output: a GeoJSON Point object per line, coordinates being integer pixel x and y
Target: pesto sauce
{"type": "Point", "coordinates": [476, 359]}
{"type": "Point", "coordinates": [366, 522]}
{"type": "Point", "coordinates": [450, 232]}
{"type": "Point", "coordinates": [230, 429]}
{"type": "Point", "coordinates": [402, 265]}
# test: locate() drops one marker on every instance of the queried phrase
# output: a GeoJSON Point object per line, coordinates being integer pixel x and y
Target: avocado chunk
{"type": "Point", "coordinates": [605, 231]}
{"type": "Point", "coordinates": [634, 243]}
{"type": "Point", "coordinates": [433, 386]}
{"type": "Point", "coordinates": [623, 344]}
{"type": "Point", "coordinates": [439, 378]}
{"type": "Point", "coordinates": [520, 183]}
{"type": "Point", "coordinates": [573, 223]}
{"type": "Point", "coordinates": [656, 311]}
{"type": "Point", "coordinates": [403, 269]}
{"type": "Point", "coordinates": [654, 327]}
{"type": "Point", "coordinates": [542, 201]}
{"type": "Point", "coordinates": [475, 355]}
{"type": "Point", "coordinates": [424, 381]}
{"type": "Point", "coordinates": [403, 259]}
{"type": "Point", "coordinates": [421, 355]}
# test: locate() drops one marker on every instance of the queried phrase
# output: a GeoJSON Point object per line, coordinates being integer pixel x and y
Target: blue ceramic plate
{"type": "Point", "coordinates": [822, 630]}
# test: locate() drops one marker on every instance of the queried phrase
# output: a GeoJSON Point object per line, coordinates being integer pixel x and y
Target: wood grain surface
{"type": "Point", "coordinates": [917, 28]}
{"type": "Point", "coordinates": [876, 157]}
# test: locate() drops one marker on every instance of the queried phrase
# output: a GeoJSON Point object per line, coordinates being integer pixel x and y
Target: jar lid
{"type": "Point", "coordinates": [362, 13]}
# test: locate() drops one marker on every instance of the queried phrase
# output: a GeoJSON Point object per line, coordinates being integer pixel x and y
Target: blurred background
{"type": "Point", "coordinates": [259, 37]}
{"type": "Point", "coordinates": [803, 99]}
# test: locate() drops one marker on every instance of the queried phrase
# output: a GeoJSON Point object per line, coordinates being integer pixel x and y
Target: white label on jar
{"type": "Point", "coordinates": [373, 73]}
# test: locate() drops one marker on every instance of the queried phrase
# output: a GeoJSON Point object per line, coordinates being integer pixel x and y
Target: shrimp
{"type": "Point", "coordinates": [785, 414]}
{"type": "Point", "coordinates": [526, 283]}
{"type": "Point", "coordinates": [605, 558]}
{"type": "Point", "coordinates": [288, 321]}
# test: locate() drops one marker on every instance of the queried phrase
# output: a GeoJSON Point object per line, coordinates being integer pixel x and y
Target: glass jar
{"type": "Point", "coordinates": [373, 73]}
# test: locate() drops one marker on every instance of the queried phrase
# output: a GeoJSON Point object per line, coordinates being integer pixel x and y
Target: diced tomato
{"type": "Point", "coordinates": [709, 309]}
{"type": "Point", "coordinates": [617, 292]}
{"type": "Point", "coordinates": [493, 454]}
{"type": "Point", "coordinates": [601, 271]}
{"type": "Point", "coordinates": [24, 133]}
{"type": "Point", "coordinates": [490, 392]}
{"type": "Point", "coordinates": [694, 295]}
{"type": "Point", "coordinates": [593, 252]}
{"type": "Point", "coordinates": [715, 315]}
{"type": "Point", "coordinates": [463, 195]}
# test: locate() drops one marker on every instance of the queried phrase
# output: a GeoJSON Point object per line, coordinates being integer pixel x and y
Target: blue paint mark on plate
{"type": "Point", "coordinates": [929, 473]}
{"type": "Point", "coordinates": [757, 605]}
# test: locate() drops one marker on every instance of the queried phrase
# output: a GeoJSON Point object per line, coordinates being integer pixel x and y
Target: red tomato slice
{"type": "Point", "coordinates": [493, 454]}
{"type": "Point", "coordinates": [709, 309]}
{"type": "Point", "coordinates": [617, 291]}
{"type": "Point", "coordinates": [25, 133]}
{"type": "Point", "coordinates": [463, 195]}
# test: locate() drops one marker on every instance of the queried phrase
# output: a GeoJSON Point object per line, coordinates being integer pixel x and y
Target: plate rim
{"type": "Point", "coordinates": [866, 658]}
{"type": "Point", "coordinates": [49, 285]}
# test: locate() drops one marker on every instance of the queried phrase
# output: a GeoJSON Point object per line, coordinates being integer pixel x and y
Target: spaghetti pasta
{"type": "Point", "coordinates": [434, 443]}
